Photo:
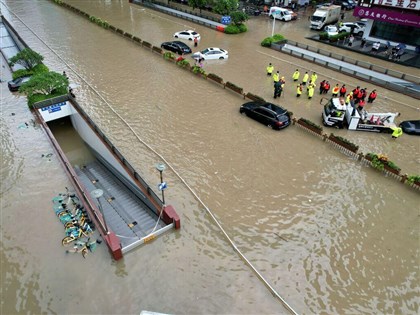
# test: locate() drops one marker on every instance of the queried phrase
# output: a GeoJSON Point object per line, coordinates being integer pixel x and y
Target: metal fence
{"type": "Point", "coordinates": [360, 63]}
{"type": "Point", "coordinates": [407, 90]}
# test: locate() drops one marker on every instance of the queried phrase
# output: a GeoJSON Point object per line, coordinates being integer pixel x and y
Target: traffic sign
{"type": "Point", "coordinates": [162, 186]}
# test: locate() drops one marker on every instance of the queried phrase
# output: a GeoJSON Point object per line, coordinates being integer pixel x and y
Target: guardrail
{"type": "Point", "coordinates": [155, 6]}
{"type": "Point", "coordinates": [346, 70]}
{"type": "Point", "coordinates": [360, 63]}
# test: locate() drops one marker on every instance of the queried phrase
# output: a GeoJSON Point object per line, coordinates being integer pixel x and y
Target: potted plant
{"type": "Point", "coordinates": [310, 125]}
{"type": "Point", "coordinates": [344, 143]}
{"type": "Point", "coordinates": [381, 162]}
{"type": "Point", "coordinates": [234, 87]}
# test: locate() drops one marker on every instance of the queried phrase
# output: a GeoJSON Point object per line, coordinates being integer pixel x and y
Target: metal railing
{"type": "Point", "coordinates": [360, 63]}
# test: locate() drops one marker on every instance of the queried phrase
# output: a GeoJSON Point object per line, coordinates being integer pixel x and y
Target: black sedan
{"type": "Point", "coordinates": [176, 47]}
{"type": "Point", "coordinates": [271, 115]}
{"type": "Point", "coordinates": [15, 84]}
{"type": "Point", "coordinates": [411, 127]}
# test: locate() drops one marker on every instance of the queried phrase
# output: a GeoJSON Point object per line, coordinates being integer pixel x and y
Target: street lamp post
{"type": "Point", "coordinates": [97, 193]}
{"type": "Point", "coordinates": [162, 186]}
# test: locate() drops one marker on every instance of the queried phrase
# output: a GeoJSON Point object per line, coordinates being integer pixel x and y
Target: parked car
{"type": "Point", "coordinates": [187, 34]}
{"type": "Point", "coordinates": [331, 30]}
{"type": "Point", "coordinates": [324, 4]}
{"type": "Point", "coordinates": [176, 47]}
{"type": "Point", "coordinates": [15, 84]}
{"type": "Point", "coordinates": [351, 27]}
{"type": "Point", "coordinates": [411, 127]}
{"type": "Point", "coordinates": [211, 53]}
{"type": "Point", "coordinates": [345, 5]}
{"type": "Point", "coordinates": [271, 115]}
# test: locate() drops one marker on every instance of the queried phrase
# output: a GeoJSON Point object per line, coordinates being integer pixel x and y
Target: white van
{"type": "Point", "coordinates": [281, 14]}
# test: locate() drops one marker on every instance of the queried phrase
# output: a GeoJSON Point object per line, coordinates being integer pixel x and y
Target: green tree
{"type": "Point", "coordinates": [197, 4]}
{"type": "Point", "coordinates": [45, 83]}
{"type": "Point", "coordinates": [239, 17]}
{"type": "Point", "coordinates": [26, 58]}
{"type": "Point", "coordinates": [225, 7]}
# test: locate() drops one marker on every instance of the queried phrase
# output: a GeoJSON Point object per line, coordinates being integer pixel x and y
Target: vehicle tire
{"type": "Point", "coordinates": [84, 252]}
{"type": "Point", "coordinates": [360, 34]}
{"type": "Point", "coordinates": [67, 241]}
{"type": "Point", "coordinates": [176, 36]}
{"type": "Point", "coordinates": [270, 126]}
{"type": "Point", "coordinates": [189, 38]}
{"type": "Point", "coordinates": [221, 58]}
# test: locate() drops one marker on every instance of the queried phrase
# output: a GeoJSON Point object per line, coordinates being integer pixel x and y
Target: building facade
{"type": "Point", "coordinates": [394, 21]}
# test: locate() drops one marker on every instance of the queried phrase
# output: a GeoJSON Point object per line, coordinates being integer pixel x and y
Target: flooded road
{"type": "Point", "coordinates": [330, 235]}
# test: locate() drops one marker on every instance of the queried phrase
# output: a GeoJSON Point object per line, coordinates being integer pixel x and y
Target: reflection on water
{"type": "Point", "coordinates": [324, 230]}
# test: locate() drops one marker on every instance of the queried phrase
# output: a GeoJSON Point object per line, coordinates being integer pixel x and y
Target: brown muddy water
{"type": "Point", "coordinates": [330, 235]}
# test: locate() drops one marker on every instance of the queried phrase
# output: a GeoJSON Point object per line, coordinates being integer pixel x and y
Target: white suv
{"type": "Point", "coordinates": [349, 26]}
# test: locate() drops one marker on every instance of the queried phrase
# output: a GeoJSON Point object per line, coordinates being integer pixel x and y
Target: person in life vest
{"type": "Point", "coordinates": [397, 132]}
{"type": "Point", "coordinates": [364, 93]}
{"type": "Point", "coordinates": [296, 75]}
{"type": "Point", "coordinates": [372, 96]}
{"type": "Point", "coordinates": [359, 95]}
{"type": "Point", "coordinates": [349, 98]}
{"type": "Point", "coordinates": [335, 90]}
{"type": "Point", "coordinates": [314, 77]}
{"type": "Point", "coordinates": [299, 90]}
{"type": "Point", "coordinates": [321, 86]}
{"type": "Point", "coordinates": [305, 78]}
{"type": "Point", "coordinates": [362, 104]}
{"type": "Point", "coordinates": [311, 89]}
{"type": "Point", "coordinates": [356, 94]}
{"type": "Point", "coordinates": [270, 69]}
{"type": "Point", "coordinates": [343, 91]}
{"type": "Point", "coordinates": [326, 87]}
{"type": "Point", "coordinates": [276, 77]}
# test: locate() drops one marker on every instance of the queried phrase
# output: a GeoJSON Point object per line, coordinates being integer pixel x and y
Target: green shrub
{"type": "Point", "coordinates": [347, 142]}
{"type": "Point", "coordinates": [413, 179]}
{"type": "Point", "coordinates": [197, 69]}
{"type": "Point", "coordinates": [310, 123]}
{"type": "Point", "coordinates": [232, 29]}
{"type": "Point", "coordinates": [323, 35]}
{"type": "Point", "coordinates": [41, 68]}
{"type": "Point", "coordinates": [379, 161]}
{"type": "Point", "coordinates": [234, 86]}
{"type": "Point", "coordinates": [273, 39]}
{"type": "Point", "coordinates": [21, 73]}
{"type": "Point", "coordinates": [183, 63]}
{"type": "Point", "coordinates": [32, 99]}
{"type": "Point", "coordinates": [169, 55]}
{"type": "Point", "coordinates": [215, 77]}
{"type": "Point", "coordinates": [243, 28]}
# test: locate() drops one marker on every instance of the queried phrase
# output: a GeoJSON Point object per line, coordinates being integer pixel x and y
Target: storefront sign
{"type": "Point", "coordinates": [390, 16]}
{"type": "Point", "coordinates": [402, 4]}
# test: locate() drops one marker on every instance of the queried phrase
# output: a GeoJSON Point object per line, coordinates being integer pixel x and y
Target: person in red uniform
{"type": "Point", "coordinates": [372, 96]}
{"type": "Point", "coordinates": [343, 91]}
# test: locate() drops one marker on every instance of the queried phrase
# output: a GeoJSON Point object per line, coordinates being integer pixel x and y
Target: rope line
{"type": "Point", "coordinates": [260, 276]}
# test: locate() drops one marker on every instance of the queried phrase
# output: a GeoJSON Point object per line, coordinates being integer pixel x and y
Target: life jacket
{"type": "Point", "coordinates": [356, 92]}
{"type": "Point", "coordinates": [343, 90]}
{"type": "Point", "coordinates": [326, 86]}
{"type": "Point", "coordinates": [305, 78]}
{"type": "Point", "coordinates": [276, 77]}
{"type": "Point", "coordinates": [335, 90]}
{"type": "Point", "coordinates": [397, 132]}
{"type": "Point", "coordinates": [299, 90]}
{"type": "Point", "coordinates": [372, 95]}
{"type": "Point", "coordinates": [270, 69]}
{"type": "Point", "coordinates": [360, 94]}
{"type": "Point", "coordinates": [295, 75]}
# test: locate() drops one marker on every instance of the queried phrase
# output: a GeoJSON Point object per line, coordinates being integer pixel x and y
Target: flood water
{"type": "Point", "coordinates": [329, 234]}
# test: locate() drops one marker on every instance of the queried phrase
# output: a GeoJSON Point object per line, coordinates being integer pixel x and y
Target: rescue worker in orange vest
{"type": "Point", "coordinates": [270, 69]}
{"type": "Point", "coordinates": [361, 104]}
{"type": "Point", "coordinates": [305, 78]}
{"type": "Point", "coordinates": [356, 94]}
{"type": "Point", "coordinates": [335, 90]}
{"type": "Point", "coordinates": [343, 91]}
{"type": "Point", "coordinates": [299, 90]}
{"type": "Point", "coordinates": [326, 87]}
{"type": "Point", "coordinates": [397, 132]}
{"type": "Point", "coordinates": [372, 96]}
{"type": "Point", "coordinates": [296, 75]}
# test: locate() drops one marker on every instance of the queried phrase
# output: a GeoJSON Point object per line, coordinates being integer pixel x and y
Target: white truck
{"type": "Point", "coordinates": [337, 114]}
{"type": "Point", "coordinates": [281, 14]}
{"type": "Point", "coordinates": [325, 15]}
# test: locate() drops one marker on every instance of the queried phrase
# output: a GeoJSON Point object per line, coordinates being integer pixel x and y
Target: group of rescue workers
{"type": "Point", "coordinates": [354, 97]}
